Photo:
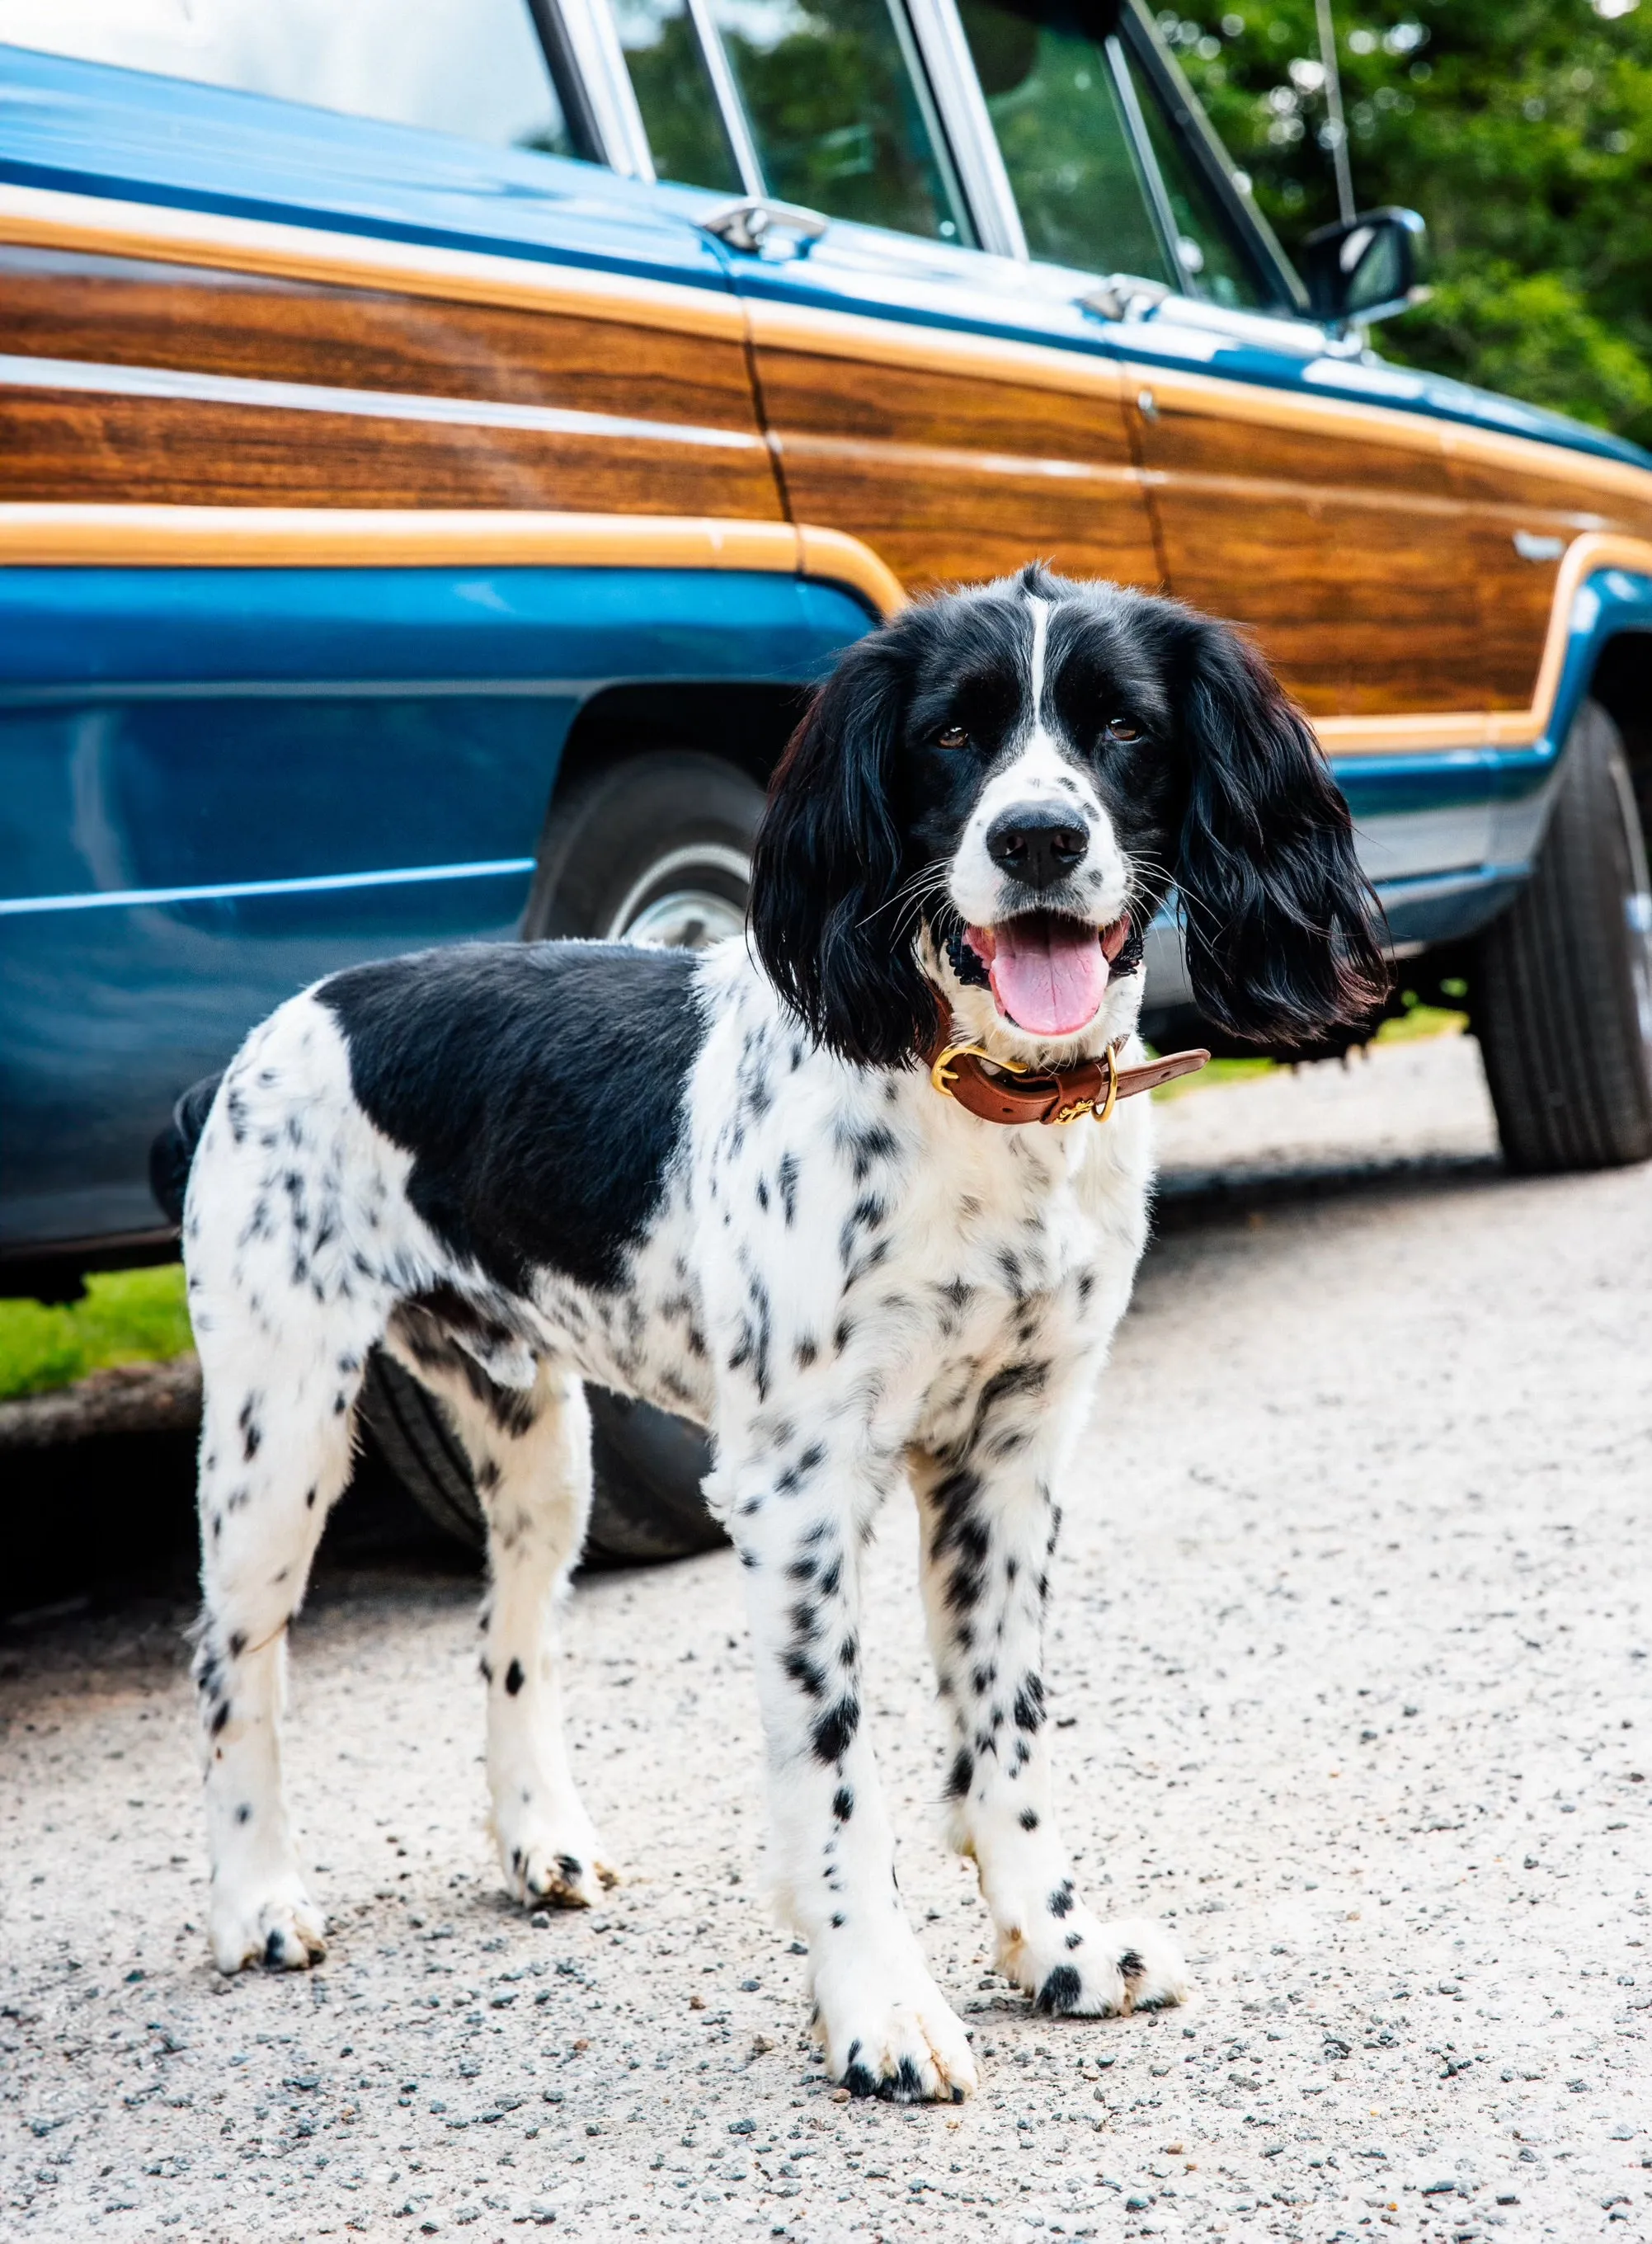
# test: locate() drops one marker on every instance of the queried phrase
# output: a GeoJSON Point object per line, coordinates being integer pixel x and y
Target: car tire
{"type": "Point", "coordinates": [645, 1502]}
{"type": "Point", "coordinates": [1561, 985]}
{"type": "Point", "coordinates": [656, 849]}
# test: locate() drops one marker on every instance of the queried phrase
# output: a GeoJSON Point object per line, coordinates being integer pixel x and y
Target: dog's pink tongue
{"type": "Point", "coordinates": [1049, 974]}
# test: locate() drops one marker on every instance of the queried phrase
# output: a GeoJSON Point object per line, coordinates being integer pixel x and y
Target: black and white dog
{"type": "Point", "coordinates": [727, 1184]}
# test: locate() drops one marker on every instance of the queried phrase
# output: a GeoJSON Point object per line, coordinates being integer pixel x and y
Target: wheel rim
{"type": "Point", "coordinates": [686, 900]}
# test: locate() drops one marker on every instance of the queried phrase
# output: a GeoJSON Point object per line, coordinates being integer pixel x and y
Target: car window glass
{"type": "Point", "coordinates": [675, 94]}
{"type": "Point", "coordinates": [474, 67]}
{"type": "Point", "coordinates": [1065, 143]}
{"type": "Point", "coordinates": [839, 112]}
{"type": "Point", "coordinates": [1214, 261]}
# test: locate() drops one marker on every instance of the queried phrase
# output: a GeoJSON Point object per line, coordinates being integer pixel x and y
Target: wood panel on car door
{"type": "Point", "coordinates": [137, 378]}
{"type": "Point", "coordinates": [1525, 503]}
{"type": "Point", "coordinates": [1328, 528]}
{"type": "Point", "coordinates": [960, 427]}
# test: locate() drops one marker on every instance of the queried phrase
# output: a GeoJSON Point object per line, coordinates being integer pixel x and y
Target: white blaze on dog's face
{"type": "Point", "coordinates": [1039, 878]}
{"type": "Point", "coordinates": [1037, 751]}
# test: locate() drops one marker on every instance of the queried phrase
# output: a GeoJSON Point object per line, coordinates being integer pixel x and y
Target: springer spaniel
{"type": "Point", "coordinates": [764, 1188]}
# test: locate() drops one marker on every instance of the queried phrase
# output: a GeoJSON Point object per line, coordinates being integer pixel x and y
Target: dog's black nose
{"type": "Point", "coordinates": [1036, 844]}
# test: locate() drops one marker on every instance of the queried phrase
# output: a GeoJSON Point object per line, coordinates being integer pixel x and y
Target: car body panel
{"type": "Point", "coordinates": [223, 783]}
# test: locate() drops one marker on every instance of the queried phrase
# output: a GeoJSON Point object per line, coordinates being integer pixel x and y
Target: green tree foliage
{"type": "Point", "coordinates": [1521, 130]}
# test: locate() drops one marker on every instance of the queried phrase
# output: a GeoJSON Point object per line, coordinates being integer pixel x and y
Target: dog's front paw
{"type": "Point", "coordinates": [890, 2031]}
{"type": "Point", "coordinates": [555, 1868]}
{"type": "Point", "coordinates": [1073, 1966]}
{"type": "Point", "coordinates": [280, 1929]}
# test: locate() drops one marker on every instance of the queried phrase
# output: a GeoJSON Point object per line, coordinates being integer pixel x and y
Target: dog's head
{"type": "Point", "coordinates": [991, 798]}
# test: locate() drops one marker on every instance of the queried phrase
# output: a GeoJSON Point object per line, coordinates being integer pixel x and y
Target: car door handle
{"type": "Point", "coordinates": [750, 223]}
{"type": "Point", "coordinates": [1124, 296]}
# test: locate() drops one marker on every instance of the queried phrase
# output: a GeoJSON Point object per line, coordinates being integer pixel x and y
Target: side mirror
{"type": "Point", "coordinates": [1367, 267]}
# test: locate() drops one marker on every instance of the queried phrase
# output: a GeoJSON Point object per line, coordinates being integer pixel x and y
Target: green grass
{"type": "Point", "coordinates": [1420, 1021]}
{"type": "Point", "coordinates": [1412, 1026]}
{"type": "Point", "coordinates": [128, 1316]}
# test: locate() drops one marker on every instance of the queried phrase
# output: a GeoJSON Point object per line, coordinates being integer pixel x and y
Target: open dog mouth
{"type": "Point", "coordinates": [1048, 972]}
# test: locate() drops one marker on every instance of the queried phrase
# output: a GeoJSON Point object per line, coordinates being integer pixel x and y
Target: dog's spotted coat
{"type": "Point", "coordinates": [723, 1184]}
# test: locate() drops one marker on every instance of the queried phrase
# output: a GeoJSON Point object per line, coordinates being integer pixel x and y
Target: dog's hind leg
{"type": "Point", "coordinates": [289, 1181]}
{"type": "Point", "coordinates": [275, 1452]}
{"type": "Point", "coordinates": [529, 1449]}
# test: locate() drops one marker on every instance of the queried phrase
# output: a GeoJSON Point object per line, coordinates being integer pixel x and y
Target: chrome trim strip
{"type": "Point", "coordinates": [227, 891]}
{"type": "Point", "coordinates": [88, 377]}
{"type": "Point", "coordinates": [968, 126]}
{"type": "Point", "coordinates": [594, 44]}
{"type": "Point", "coordinates": [725, 89]}
{"type": "Point", "coordinates": [1148, 166]}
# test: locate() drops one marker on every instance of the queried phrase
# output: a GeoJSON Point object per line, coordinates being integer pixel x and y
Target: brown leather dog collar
{"type": "Point", "coordinates": [1002, 1090]}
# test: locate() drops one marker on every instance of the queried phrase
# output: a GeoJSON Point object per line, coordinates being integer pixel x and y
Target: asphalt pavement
{"type": "Point", "coordinates": [1351, 1632]}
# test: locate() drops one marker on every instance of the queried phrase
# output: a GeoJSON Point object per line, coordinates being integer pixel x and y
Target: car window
{"type": "Point", "coordinates": [474, 67]}
{"type": "Point", "coordinates": [675, 94]}
{"type": "Point", "coordinates": [1065, 143]}
{"type": "Point", "coordinates": [839, 111]}
{"type": "Point", "coordinates": [1215, 260]}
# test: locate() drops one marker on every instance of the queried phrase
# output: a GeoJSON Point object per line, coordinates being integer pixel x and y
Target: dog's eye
{"type": "Point", "coordinates": [1121, 729]}
{"type": "Point", "coordinates": [951, 736]}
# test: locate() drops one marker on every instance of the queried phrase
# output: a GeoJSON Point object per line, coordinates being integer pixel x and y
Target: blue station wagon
{"type": "Point", "coordinates": [442, 443]}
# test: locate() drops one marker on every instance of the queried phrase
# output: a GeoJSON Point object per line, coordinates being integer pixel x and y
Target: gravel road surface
{"type": "Point", "coordinates": [1352, 1637]}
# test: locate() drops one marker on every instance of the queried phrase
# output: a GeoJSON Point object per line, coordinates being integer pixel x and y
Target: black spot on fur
{"type": "Point", "coordinates": [802, 1671]}
{"type": "Point", "coordinates": [1029, 1819]}
{"type": "Point", "coordinates": [1060, 1902]}
{"type": "Point", "coordinates": [244, 1813]}
{"type": "Point", "coordinates": [843, 1803]}
{"type": "Point", "coordinates": [1060, 1994]}
{"type": "Point", "coordinates": [1029, 1704]}
{"type": "Point", "coordinates": [514, 1678]}
{"type": "Point", "coordinates": [833, 1732]}
{"type": "Point", "coordinates": [961, 1775]}
{"type": "Point", "coordinates": [539, 1087]}
{"type": "Point", "coordinates": [571, 1867]}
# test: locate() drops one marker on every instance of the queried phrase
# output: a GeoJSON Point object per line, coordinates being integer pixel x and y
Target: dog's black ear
{"type": "Point", "coordinates": [828, 866]}
{"type": "Point", "coordinates": [1284, 930]}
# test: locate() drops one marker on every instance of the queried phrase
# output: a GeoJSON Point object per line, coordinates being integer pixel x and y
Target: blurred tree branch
{"type": "Point", "coordinates": [1521, 130]}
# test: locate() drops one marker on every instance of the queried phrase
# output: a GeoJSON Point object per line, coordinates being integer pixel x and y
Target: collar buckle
{"type": "Point", "coordinates": [943, 1075]}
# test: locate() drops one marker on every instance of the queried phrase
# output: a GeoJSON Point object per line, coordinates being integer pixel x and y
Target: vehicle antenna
{"type": "Point", "coordinates": [1336, 126]}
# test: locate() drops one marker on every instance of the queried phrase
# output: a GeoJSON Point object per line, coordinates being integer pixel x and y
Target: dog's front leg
{"type": "Point", "coordinates": [888, 2029]}
{"type": "Point", "coordinates": [989, 1525]}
